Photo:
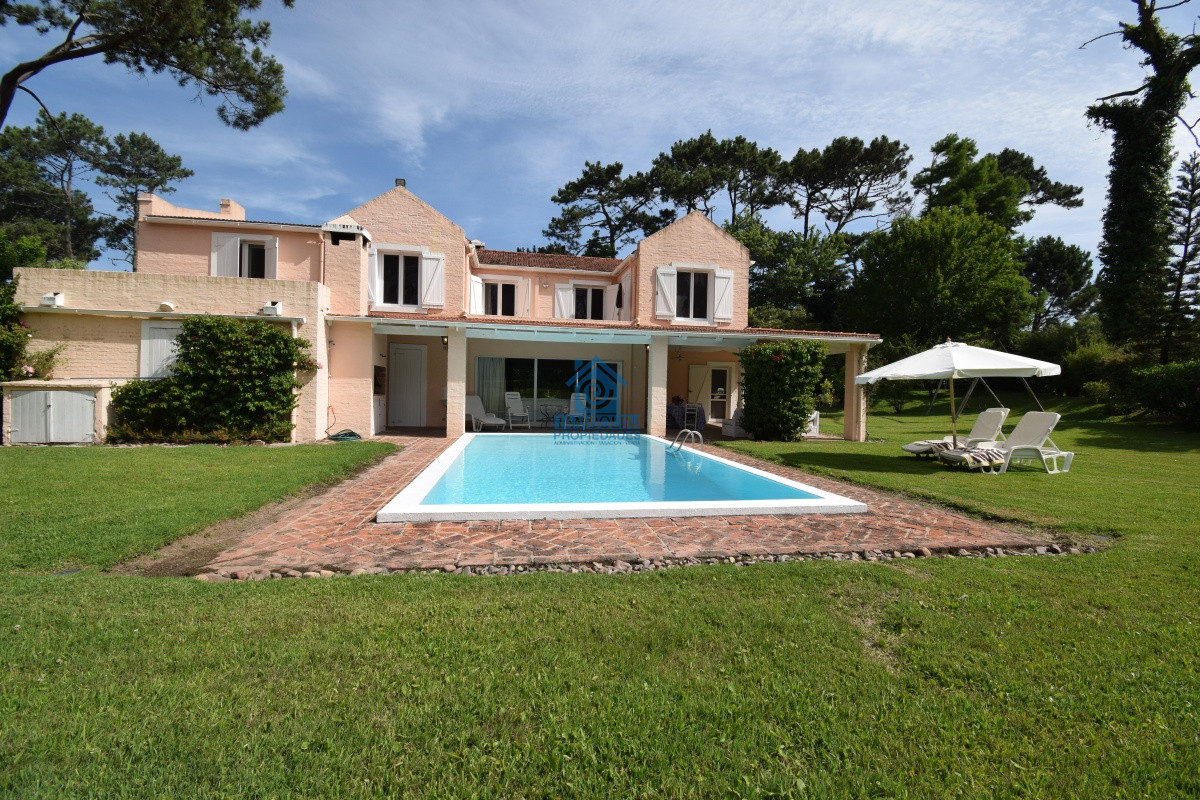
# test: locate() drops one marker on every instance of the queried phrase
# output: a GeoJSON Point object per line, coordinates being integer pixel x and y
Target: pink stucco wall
{"type": "Point", "coordinates": [400, 217]}
{"type": "Point", "coordinates": [185, 249]}
{"type": "Point", "coordinates": [693, 239]}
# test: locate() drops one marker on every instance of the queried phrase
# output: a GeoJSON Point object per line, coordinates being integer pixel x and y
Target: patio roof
{"type": "Point", "coordinates": [593, 331]}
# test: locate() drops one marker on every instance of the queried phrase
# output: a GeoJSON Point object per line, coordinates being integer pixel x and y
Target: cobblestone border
{"type": "Point", "coordinates": [618, 566]}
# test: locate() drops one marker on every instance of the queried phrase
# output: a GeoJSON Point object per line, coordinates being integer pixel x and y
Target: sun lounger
{"type": "Point", "coordinates": [986, 429]}
{"type": "Point", "coordinates": [1029, 442]}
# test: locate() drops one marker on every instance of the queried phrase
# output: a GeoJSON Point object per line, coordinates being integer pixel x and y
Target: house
{"type": "Point", "coordinates": [408, 315]}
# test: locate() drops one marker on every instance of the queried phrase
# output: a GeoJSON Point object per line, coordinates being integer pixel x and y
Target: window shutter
{"type": "Point", "coordinates": [664, 292]}
{"type": "Point", "coordinates": [476, 305]}
{"type": "Point", "coordinates": [610, 302]}
{"type": "Point", "coordinates": [626, 296]}
{"type": "Point", "coordinates": [158, 348]}
{"type": "Point", "coordinates": [433, 280]}
{"type": "Point", "coordinates": [524, 288]}
{"type": "Point", "coordinates": [224, 256]}
{"type": "Point", "coordinates": [723, 295]}
{"type": "Point", "coordinates": [271, 267]}
{"type": "Point", "coordinates": [373, 288]}
{"type": "Point", "coordinates": [564, 301]}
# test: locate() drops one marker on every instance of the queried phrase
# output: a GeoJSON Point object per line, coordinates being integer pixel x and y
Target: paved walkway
{"type": "Point", "coordinates": [334, 531]}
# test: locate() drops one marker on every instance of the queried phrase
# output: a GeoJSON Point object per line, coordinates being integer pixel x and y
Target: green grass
{"type": "Point", "coordinates": [1074, 676]}
{"type": "Point", "coordinates": [95, 507]}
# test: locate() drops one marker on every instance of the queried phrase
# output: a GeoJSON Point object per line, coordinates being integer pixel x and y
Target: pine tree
{"type": "Point", "coordinates": [1183, 272]}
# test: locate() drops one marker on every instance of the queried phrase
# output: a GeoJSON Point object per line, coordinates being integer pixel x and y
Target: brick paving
{"type": "Point", "coordinates": [335, 530]}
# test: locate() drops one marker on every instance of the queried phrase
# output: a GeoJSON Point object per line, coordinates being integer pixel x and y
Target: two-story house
{"type": "Point", "coordinates": [408, 317]}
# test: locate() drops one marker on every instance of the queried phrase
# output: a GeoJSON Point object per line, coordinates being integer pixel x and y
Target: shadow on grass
{"type": "Point", "coordinates": [856, 462]}
{"type": "Point", "coordinates": [1145, 437]}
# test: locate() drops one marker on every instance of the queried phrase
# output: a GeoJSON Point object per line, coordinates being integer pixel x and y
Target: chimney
{"type": "Point", "coordinates": [401, 182]}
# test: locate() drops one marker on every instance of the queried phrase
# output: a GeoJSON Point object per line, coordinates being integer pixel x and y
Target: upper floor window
{"type": "Point", "coordinates": [693, 293]}
{"type": "Point", "coordinates": [404, 276]}
{"type": "Point", "coordinates": [585, 300]}
{"type": "Point", "coordinates": [401, 279]}
{"type": "Point", "coordinates": [500, 299]}
{"type": "Point", "coordinates": [236, 255]}
{"type": "Point", "coordinates": [589, 302]}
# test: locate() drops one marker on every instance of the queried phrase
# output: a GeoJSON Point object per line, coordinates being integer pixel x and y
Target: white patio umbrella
{"type": "Point", "coordinates": [957, 360]}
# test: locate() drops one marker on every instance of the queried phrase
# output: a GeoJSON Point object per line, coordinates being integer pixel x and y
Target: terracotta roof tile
{"type": "Point", "coordinates": [509, 258]}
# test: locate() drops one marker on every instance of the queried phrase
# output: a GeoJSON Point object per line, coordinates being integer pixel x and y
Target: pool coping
{"type": "Point", "coordinates": [406, 505]}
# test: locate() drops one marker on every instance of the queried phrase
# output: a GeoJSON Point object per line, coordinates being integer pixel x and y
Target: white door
{"type": "Point", "coordinates": [718, 398]}
{"type": "Point", "coordinates": [406, 386]}
{"type": "Point", "coordinates": [700, 386]}
{"type": "Point", "coordinates": [53, 417]}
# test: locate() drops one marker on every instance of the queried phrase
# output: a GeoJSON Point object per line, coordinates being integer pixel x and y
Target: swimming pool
{"type": "Point", "coordinates": [543, 476]}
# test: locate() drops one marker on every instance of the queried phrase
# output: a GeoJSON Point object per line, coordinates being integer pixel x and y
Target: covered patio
{"type": "Point", "coordinates": [431, 366]}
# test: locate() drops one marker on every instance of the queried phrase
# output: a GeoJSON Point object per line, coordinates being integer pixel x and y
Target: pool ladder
{"type": "Point", "coordinates": [686, 436]}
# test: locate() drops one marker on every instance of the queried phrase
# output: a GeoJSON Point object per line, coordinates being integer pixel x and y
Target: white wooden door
{"type": "Point", "coordinates": [406, 386]}
{"type": "Point", "coordinates": [53, 417]}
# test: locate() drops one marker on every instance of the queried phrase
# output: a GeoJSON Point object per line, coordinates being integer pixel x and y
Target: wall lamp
{"type": "Point", "coordinates": [445, 342]}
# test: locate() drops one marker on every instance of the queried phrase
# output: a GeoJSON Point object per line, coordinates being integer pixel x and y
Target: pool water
{"type": "Point", "coordinates": [527, 476]}
{"type": "Point", "coordinates": [539, 468]}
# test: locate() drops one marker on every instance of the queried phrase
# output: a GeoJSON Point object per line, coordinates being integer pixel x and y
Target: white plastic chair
{"type": "Point", "coordinates": [1029, 441]}
{"type": "Point", "coordinates": [986, 429]}
{"type": "Point", "coordinates": [480, 417]}
{"type": "Point", "coordinates": [515, 410]}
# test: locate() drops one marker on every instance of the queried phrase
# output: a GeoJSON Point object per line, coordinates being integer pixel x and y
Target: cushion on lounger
{"type": "Point", "coordinates": [974, 457]}
{"type": "Point", "coordinates": [926, 446]}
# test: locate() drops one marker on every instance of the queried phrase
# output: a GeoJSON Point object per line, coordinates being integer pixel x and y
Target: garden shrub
{"type": "Point", "coordinates": [1172, 390]}
{"type": "Point", "coordinates": [1095, 361]}
{"type": "Point", "coordinates": [780, 381]}
{"type": "Point", "coordinates": [232, 380]}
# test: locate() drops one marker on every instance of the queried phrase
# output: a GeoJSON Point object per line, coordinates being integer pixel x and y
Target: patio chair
{"type": "Point", "coordinates": [480, 417]}
{"type": "Point", "coordinates": [1028, 441]}
{"type": "Point", "coordinates": [515, 410]}
{"type": "Point", "coordinates": [577, 412]}
{"type": "Point", "coordinates": [986, 429]}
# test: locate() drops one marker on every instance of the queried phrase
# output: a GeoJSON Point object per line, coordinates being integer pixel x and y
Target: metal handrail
{"type": "Point", "coordinates": [688, 436]}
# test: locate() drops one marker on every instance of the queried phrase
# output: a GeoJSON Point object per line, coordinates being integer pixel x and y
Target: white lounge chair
{"type": "Point", "coordinates": [515, 410]}
{"type": "Point", "coordinates": [480, 417]}
{"type": "Point", "coordinates": [577, 412]}
{"type": "Point", "coordinates": [1029, 441]}
{"type": "Point", "coordinates": [986, 429]}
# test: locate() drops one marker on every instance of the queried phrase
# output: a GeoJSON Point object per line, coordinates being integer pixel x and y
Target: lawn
{"type": "Point", "coordinates": [1071, 676]}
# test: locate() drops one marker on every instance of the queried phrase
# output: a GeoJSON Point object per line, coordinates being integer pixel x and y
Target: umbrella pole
{"type": "Point", "coordinates": [953, 416]}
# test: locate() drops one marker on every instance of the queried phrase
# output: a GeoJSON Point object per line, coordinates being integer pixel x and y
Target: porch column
{"type": "Point", "coordinates": [456, 382]}
{"type": "Point", "coordinates": [656, 387]}
{"type": "Point", "coordinates": [854, 420]}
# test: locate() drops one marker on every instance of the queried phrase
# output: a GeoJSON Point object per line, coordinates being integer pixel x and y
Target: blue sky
{"type": "Point", "coordinates": [487, 108]}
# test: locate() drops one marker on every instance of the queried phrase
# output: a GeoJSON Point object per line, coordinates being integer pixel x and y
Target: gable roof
{"type": "Point", "coordinates": [509, 258]}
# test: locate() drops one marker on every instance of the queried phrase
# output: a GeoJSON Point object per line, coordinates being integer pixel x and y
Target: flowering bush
{"type": "Point", "coordinates": [780, 380]}
{"type": "Point", "coordinates": [233, 379]}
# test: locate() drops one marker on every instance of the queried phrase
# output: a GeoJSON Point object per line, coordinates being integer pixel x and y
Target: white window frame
{"type": "Point", "coordinates": [720, 293]}
{"type": "Point", "coordinates": [431, 276]}
{"type": "Point", "coordinates": [590, 285]}
{"type": "Point", "coordinates": [227, 254]}
{"type": "Point", "coordinates": [154, 364]}
{"type": "Point", "coordinates": [500, 284]}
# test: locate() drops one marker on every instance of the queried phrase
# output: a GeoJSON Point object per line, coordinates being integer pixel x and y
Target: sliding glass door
{"type": "Point", "coordinates": [546, 385]}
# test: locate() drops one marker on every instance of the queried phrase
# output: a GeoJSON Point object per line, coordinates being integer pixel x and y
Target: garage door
{"type": "Point", "coordinates": [53, 417]}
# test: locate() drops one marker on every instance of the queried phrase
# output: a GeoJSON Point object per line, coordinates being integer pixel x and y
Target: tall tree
{"type": "Point", "coordinates": [208, 44]}
{"type": "Point", "coordinates": [750, 175]}
{"type": "Point", "coordinates": [131, 165]}
{"type": "Point", "coordinates": [39, 167]}
{"type": "Point", "coordinates": [607, 206]}
{"type": "Point", "coordinates": [957, 178]}
{"type": "Point", "coordinates": [945, 274]}
{"type": "Point", "coordinates": [794, 279]}
{"type": "Point", "coordinates": [847, 181]}
{"type": "Point", "coordinates": [1060, 277]}
{"type": "Point", "coordinates": [1135, 248]}
{"type": "Point", "coordinates": [1183, 272]}
{"type": "Point", "coordinates": [689, 177]}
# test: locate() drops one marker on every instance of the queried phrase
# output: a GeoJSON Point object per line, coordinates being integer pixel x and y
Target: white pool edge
{"type": "Point", "coordinates": [406, 506]}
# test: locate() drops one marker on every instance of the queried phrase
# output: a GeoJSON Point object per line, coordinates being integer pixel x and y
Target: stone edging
{"type": "Point", "coordinates": [619, 566]}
